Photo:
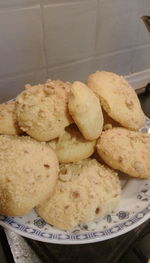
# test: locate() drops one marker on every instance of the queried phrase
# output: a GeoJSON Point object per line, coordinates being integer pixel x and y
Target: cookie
{"type": "Point", "coordinates": [118, 99]}
{"type": "Point", "coordinates": [109, 123]}
{"type": "Point", "coordinates": [8, 119]}
{"type": "Point", "coordinates": [126, 151]}
{"type": "Point", "coordinates": [85, 190]}
{"type": "Point", "coordinates": [28, 174]}
{"type": "Point", "coordinates": [42, 110]}
{"type": "Point", "coordinates": [53, 143]}
{"type": "Point", "coordinates": [85, 110]}
{"type": "Point", "coordinates": [72, 146]}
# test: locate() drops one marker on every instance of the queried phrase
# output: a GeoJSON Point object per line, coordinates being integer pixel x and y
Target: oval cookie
{"type": "Point", "coordinates": [85, 110]}
{"type": "Point", "coordinates": [85, 190]}
{"type": "Point", "coordinates": [127, 151]}
{"type": "Point", "coordinates": [118, 99]}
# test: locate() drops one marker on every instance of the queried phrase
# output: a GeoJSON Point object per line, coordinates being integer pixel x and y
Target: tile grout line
{"type": "Point", "coordinates": [48, 4]}
{"type": "Point", "coordinates": [119, 51]}
{"type": "Point", "coordinates": [95, 37]}
{"type": "Point", "coordinates": [43, 38]}
{"type": "Point", "coordinates": [18, 7]}
{"type": "Point", "coordinates": [24, 73]}
{"type": "Point", "coordinates": [96, 29]}
{"type": "Point", "coordinates": [20, 74]}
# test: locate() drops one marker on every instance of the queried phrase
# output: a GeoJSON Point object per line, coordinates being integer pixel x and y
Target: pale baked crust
{"type": "Point", "coordinates": [85, 190]}
{"type": "Point", "coordinates": [72, 146]}
{"type": "Point", "coordinates": [127, 151]}
{"type": "Point", "coordinates": [85, 110]}
{"type": "Point", "coordinates": [8, 119]}
{"type": "Point", "coordinates": [118, 99]}
{"type": "Point", "coordinates": [28, 174]}
{"type": "Point", "coordinates": [42, 110]}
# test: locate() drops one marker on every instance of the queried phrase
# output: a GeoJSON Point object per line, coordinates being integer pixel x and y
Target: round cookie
{"type": "Point", "coordinates": [8, 119]}
{"type": "Point", "coordinates": [85, 190]}
{"type": "Point", "coordinates": [85, 110]}
{"type": "Point", "coordinates": [42, 110]}
{"type": "Point", "coordinates": [127, 151]}
{"type": "Point", "coordinates": [118, 99]}
{"type": "Point", "coordinates": [72, 146]}
{"type": "Point", "coordinates": [28, 174]}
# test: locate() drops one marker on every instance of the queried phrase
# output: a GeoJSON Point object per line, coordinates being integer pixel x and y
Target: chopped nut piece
{"type": "Point", "coordinates": [27, 86]}
{"type": "Point", "coordinates": [25, 151]}
{"type": "Point", "coordinates": [66, 207]}
{"type": "Point", "coordinates": [129, 103]}
{"type": "Point", "coordinates": [138, 167]}
{"type": "Point", "coordinates": [97, 211]}
{"type": "Point", "coordinates": [120, 159]}
{"type": "Point", "coordinates": [76, 194]}
{"type": "Point", "coordinates": [47, 165]}
{"type": "Point", "coordinates": [48, 90]}
{"type": "Point", "coordinates": [41, 113]}
{"type": "Point", "coordinates": [64, 175]}
{"type": "Point", "coordinates": [92, 194]}
{"type": "Point", "coordinates": [107, 126]}
{"type": "Point", "coordinates": [28, 124]}
{"type": "Point", "coordinates": [27, 169]}
{"type": "Point", "coordinates": [64, 171]}
{"type": "Point", "coordinates": [116, 195]}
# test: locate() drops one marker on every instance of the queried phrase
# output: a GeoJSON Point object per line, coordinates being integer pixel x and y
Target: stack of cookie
{"type": "Point", "coordinates": [48, 137]}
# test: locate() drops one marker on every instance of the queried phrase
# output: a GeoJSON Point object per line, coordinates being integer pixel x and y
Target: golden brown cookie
{"type": "Point", "coordinates": [118, 99]}
{"type": "Point", "coordinates": [8, 119]}
{"type": "Point", "coordinates": [127, 151]}
{"type": "Point", "coordinates": [85, 190]}
{"type": "Point", "coordinates": [85, 110]}
{"type": "Point", "coordinates": [28, 174]}
{"type": "Point", "coordinates": [42, 110]}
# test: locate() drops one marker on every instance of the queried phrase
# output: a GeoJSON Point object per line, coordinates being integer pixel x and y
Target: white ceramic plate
{"type": "Point", "coordinates": [133, 210]}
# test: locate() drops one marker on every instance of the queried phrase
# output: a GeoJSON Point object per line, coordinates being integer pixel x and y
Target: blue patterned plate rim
{"type": "Point", "coordinates": [69, 238]}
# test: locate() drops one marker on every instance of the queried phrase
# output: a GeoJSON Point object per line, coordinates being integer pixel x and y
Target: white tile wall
{"type": "Point", "coordinates": [143, 36]}
{"type": "Point", "coordinates": [141, 58]}
{"type": "Point", "coordinates": [12, 3]}
{"type": "Point", "coordinates": [119, 62]}
{"type": "Point", "coordinates": [146, 6]}
{"type": "Point", "coordinates": [71, 72]}
{"type": "Point", "coordinates": [117, 25]}
{"type": "Point", "coordinates": [114, 33]}
{"type": "Point", "coordinates": [69, 31]}
{"type": "Point", "coordinates": [21, 44]}
{"type": "Point", "coordinates": [69, 39]}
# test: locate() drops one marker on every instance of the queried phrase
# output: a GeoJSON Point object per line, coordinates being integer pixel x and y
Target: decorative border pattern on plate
{"type": "Point", "coordinates": [75, 237]}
